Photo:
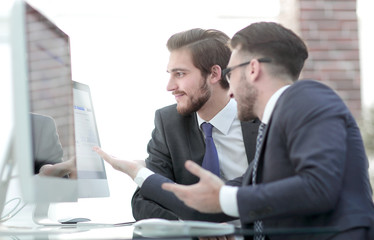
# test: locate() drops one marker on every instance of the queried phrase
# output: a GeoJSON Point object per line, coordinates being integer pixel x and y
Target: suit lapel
{"type": "Point", "coordinates": [250, 130]}
{"type": "Point", "coordinates": [247, 177]}
{"type": "Point", "coordinates": [195, 139]}
{"type": "Point", "coordinates": [263, 147]}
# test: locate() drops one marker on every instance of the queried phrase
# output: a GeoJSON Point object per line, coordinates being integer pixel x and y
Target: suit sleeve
{"type": "Point", "coordinates": [314, 150]}
{"type": "Point", "coordinates": [151, 188]}
{"type": "Point", "coordinates": [159, 161]}
{"type": "Point", "coordinates": [144, 208]}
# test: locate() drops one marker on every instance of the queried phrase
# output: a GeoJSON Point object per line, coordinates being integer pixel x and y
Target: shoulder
{"type": "Point", "coordinates": [40, 118]}
{"type": "Point", "coordinates": [307, 99]}
{"type": "Point", "coordinates": [41, 121]}
{"type": "Point", "coordinates": [168, 110]}
{"type": "Point", "coordinates": [169, 116]}
{"type": "Point", "coordinates": [171, 112]}
{"type": "Point", "coordinates": [308, 88]}
{"type": "Point", "coordinates": [310, 93]}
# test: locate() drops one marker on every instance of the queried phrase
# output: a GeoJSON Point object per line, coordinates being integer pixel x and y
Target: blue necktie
{"type": "Point", "coordinates": [258, 224]}
{"type": "Point", "coordinates": [210, 161]}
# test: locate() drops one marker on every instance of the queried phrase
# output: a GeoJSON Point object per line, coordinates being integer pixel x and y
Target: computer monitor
{"type": "Point", "coordinates": [92, 180]}
{"type": "Point", "coordinates": [42, 97]}
{"type": "Point", "coordinates": [43, 106]}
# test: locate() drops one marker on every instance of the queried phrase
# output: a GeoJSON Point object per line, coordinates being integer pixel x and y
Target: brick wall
{"type": "Point", "coordinates": [330, 30]}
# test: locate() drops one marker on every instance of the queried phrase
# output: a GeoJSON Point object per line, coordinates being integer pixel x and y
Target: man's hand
{"type": "Point", "coordinates": [202, 196]}
{"type": "Point", "coordinates": [130, 167]}
{"type": "Point", "coordinates": [60, 169]}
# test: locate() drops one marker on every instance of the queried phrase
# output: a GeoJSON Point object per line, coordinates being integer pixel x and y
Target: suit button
{"type": "Point", "coordinates": [252, 214]}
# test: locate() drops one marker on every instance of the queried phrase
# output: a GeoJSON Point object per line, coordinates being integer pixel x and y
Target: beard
{"type": "Point", "coordinates": [247, 96]}
{"type": "Point", "coordinates": [195, 103]}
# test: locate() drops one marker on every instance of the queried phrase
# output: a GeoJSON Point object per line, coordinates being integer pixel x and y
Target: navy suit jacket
{"type": "Point", "coordinates": [175, 139]}
{"type": "Point", "coordinates": [313, 170]}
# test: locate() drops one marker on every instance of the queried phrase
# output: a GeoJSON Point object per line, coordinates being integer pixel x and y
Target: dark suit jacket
{"type": "Point", "coordinates": [313, 170]}
{"type": "Point", "coordinates": [175, 139]}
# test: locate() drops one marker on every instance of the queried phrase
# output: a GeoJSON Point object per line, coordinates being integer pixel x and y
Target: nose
{"type": "Point", "coordinates": [171, 86]}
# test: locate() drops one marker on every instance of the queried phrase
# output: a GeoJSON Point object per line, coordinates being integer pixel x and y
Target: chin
{"type": "Point", "coordinates": [183, 110]}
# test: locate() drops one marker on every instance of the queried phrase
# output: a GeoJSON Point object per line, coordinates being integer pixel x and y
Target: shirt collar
{"type": "Point", "coordinates": [271, 104]}
{"type": "Point", "coordinates": [223, 119]}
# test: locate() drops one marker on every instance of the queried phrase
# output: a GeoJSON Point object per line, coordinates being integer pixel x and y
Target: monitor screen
{"type": "Point", "coordinates": [55, 127]}
{"type": "Point", "coordinates": [50, 89]}
{"type": "Point", "coordinates": [44, 142]}
{"type": "Point", "coordinates": [92, 180]}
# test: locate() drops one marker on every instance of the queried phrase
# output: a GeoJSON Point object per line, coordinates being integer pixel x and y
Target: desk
{"type": "Point", "coordinates": [76, 233]}
{"type": "Point", "coordinates": [23, 228]}
{"type": "Point", "coordinates": [126, 232]}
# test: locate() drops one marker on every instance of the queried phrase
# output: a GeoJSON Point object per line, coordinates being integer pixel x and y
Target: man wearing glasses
{"type": "Point", "coordinates": [310, 169]}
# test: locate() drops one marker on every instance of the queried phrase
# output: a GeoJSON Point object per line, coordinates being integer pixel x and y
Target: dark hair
{"type": "Point", "coordinates": [272, 40]}
{"type": "Point", "coordinates": [208, 48]}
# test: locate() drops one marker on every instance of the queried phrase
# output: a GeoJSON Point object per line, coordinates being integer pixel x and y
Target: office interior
{"type": "Point", "coordinates": [119, 49]}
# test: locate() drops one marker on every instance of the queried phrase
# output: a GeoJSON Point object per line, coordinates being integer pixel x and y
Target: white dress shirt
{"type": "Point", "coordinates": [227, 195]}
{"type": "Point", "coordinates": [228, 138]}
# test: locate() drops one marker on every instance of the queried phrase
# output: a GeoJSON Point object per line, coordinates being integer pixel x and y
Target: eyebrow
{"type": "Point", "coordinates": [177, 70]}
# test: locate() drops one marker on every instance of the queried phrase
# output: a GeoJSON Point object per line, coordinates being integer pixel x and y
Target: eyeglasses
{"type": "Point", "coordinates": [226, 73]}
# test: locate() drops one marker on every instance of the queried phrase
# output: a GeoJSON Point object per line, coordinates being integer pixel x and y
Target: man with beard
{"type": "Point", "coordinates": [310, 170]}
{"type": "Point", "coordinates": [197, 57]}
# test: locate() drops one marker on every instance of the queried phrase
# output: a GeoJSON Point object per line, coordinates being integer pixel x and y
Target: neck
{"type": "Point", "coordinates": [265, 95]}
{"type": "Point", "coordinates": [215, 104]}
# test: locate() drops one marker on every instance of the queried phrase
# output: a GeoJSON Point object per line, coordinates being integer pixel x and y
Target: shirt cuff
{"type": "Point", "coordinates": [228, 202]}
{"type": "Point", "coordinates": [142, 175]}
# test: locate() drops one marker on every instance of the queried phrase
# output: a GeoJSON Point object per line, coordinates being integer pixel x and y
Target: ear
{"type": "Point", "coordinates": [215, 74]}
{"type": "Point", "coordinates": [254, 70]}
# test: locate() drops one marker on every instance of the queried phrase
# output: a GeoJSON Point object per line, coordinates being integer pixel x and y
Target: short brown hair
{"type": "Point", "coordinates": [272, 40]}
{"type": "Point", "coordinates": [208, 48]}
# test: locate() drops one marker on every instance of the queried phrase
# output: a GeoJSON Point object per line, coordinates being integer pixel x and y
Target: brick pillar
{"type": "Point", "coordinates": [330, 30]}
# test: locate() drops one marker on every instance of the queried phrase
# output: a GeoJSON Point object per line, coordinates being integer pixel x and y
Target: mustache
{"type": "Point", "coordinates": [178, 92]}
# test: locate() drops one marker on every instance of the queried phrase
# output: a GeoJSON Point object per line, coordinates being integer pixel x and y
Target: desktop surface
{"type": "Point", "coordinates": [126, 232]}
{"type": "Point", "coordinates": [22, 227]}
{"type": "Point", "coordinates": [51, 232]}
